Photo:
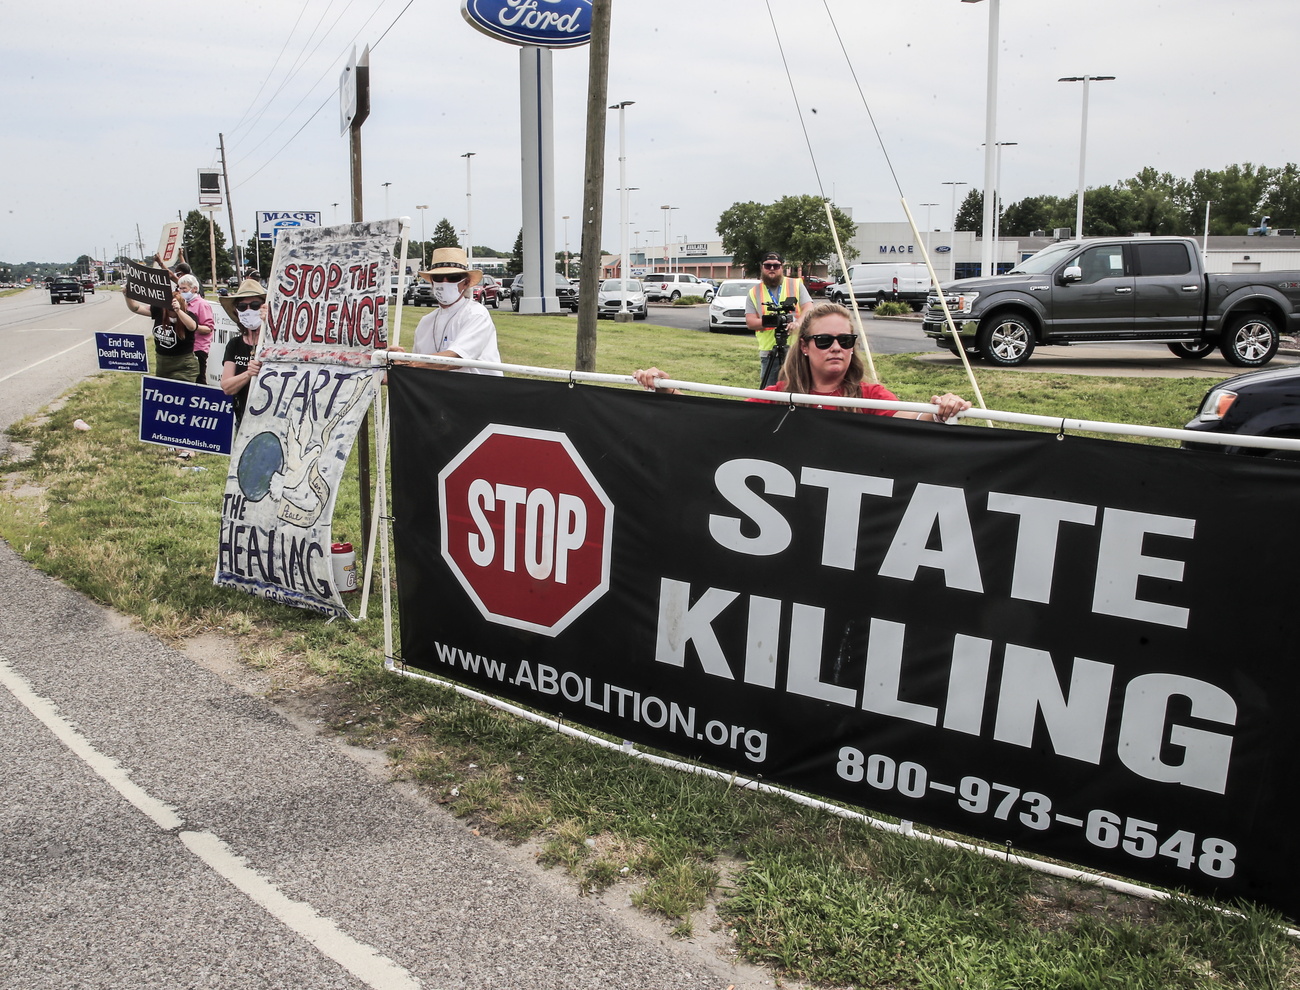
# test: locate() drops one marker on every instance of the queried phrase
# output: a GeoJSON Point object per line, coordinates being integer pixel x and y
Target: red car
{"type": "Point", "coordinates": [817, 284]}
{"type": "Point", "coordinates": [488, 292]}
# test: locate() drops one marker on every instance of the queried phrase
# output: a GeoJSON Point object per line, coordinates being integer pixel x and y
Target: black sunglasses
{"type": "Point", "coordinates": [250, 304]}
{"type": "Point", "coordinates": [447, 278]}
{"type": "Point", "coordinates": [774, 265]}
{"type": "Point", "coordinates": [824, 340]}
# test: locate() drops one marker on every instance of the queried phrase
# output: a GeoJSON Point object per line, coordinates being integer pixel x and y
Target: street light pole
{"type": "Point", "coordinates": [952, 224]}
{"type": "Point", "coordinates": [997, 207]}
{"type": "Point", "coordinates": [623, 314]}
{"type": "Point", "coordinates": [1083, 143]}
{"type": "Point", "coordinates": [386, 185]}
{"type": "Point", "coordinates": [990, 136]}
{"type": "Point", "coordinates": [469, 201]}
{"type": "Point", "coordinates": [668, 233]}
{"type": "Point", "coordinates": [423, 241]}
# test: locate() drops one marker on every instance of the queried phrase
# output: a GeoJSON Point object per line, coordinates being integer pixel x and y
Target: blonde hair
{"type": "Point", "coordinates": [796, 372]}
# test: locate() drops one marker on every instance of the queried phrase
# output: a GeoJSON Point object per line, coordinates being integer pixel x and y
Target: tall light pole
{"type": "Point", "coordinates": [990, 136]}
{"type": "Point", "coordinates": [1083, 143]}
{"type": "Point", "coordinates": [622, 202]}
{"type": "Point", "coordinates": [997, 207]}
{"type": "Point", "coordinates": [469, 227]}
{"type": "Point", "coordinates": [424, 243]}
{"type": "Point", "coordinates": [668, 233]}
{"type": "Point", "coordinates": [336, 213]}
{"type": "Point", "coordinates": [386, 185]}
{"type": "Point", "coordinates": [953, 219]}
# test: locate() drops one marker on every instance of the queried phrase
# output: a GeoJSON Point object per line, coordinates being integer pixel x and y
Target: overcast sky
{"type": "Point", "coordinates": [110, 109]}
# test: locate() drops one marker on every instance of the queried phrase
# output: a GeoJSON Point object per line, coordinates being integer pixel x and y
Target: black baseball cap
{"type": "Point", "coordinates": [773, 256]}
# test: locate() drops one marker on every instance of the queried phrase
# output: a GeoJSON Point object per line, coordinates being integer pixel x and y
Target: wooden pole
{"type": "Point", "coordinates": [593, 187]}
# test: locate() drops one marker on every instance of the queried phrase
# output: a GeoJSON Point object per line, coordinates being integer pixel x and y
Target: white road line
{"type": "Point", "coordinates": [88, 340]}
{"type": "Point", "coordinates": [365, 963]}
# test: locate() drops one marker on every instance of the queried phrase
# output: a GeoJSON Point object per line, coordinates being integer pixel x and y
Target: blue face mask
{"type": "Point", "coordinates": [189, 296]}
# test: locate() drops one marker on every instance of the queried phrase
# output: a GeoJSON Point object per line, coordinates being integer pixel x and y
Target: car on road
{"type": "Point", "coordinates": [610, 298]}
{"type": "Point", "coordinates": [727, 308]}
{"type": "Point", "coordinates": [1258, 403]}
{"type": "Point", "coordinates": [673, 285]}
{"type": "Point", "coordinates": [488, 292]}
{"type": "Point", "coordinates": [818, 284]}
{"type": "Point", "coordinates": [88, 284]}
{"type": "Point", "coordinates": [564, 292]}
{"type": "Point", "coordinates": [418, 293]}
{"type": "Point", "coordinates": [65, 288]}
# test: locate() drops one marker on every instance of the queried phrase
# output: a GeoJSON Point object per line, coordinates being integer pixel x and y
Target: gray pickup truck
{"type": "Point", "coordinates": [1152, 289]}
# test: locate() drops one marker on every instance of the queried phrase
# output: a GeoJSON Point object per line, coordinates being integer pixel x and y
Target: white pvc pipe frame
{"type": "Point", "coordinates": [797, 399]}
{"type": "Point", "coordinates": [904, 828]}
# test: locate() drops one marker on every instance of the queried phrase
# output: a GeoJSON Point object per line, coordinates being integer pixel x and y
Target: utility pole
{"type": "Point", "coordinates": [593, 186]}
{"type": "Point", "coordinates": [230, 208]}
{"type": "Point", "coordinates": [361, 111]}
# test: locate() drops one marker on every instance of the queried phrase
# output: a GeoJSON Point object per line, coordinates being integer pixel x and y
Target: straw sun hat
{"type": "Point", "coordinates": [249, 288]}
{"type": "Point", "coordinates": [452, 261]}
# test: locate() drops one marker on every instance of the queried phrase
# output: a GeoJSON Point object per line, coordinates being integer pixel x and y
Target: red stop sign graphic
{"type": "Point", "coordinates": [526, 528]}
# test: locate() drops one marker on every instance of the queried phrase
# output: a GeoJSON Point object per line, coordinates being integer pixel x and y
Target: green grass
{"type": "Point", "coordinates": [812, 895]}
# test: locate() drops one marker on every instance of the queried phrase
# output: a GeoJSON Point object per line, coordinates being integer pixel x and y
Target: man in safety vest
{"type": "Point", "coordinates": [773, 297]}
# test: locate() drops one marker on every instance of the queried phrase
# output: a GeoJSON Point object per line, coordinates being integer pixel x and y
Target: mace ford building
{"type": "Point", "coordinates": [954, 254]}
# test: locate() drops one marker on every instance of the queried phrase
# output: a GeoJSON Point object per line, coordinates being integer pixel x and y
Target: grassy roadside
{"type": "Point", "coordinates": [816, 897]}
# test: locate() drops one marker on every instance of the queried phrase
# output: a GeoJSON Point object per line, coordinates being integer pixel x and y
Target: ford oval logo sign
{"type": "Point", "coordinates": [942, 249]}
{"type": "Point", "coordinates": [538, 23]}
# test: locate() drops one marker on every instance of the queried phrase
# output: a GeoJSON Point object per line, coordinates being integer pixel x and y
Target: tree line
{"type": "Point", "coordinates": [1154, 202]}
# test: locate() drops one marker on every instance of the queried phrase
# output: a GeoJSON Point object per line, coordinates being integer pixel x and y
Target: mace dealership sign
{"type": "Point", "coordinates": [1004, 634]}
{"type": "Point", "coordinates": [540, 23]}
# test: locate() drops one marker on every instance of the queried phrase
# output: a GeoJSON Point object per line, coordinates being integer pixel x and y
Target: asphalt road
{"type": "Point", "coordinates": [160, 826]}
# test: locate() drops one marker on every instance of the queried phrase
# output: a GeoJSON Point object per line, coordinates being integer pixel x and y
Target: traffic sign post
{"type": "Point", "coordinates": [526, 528]}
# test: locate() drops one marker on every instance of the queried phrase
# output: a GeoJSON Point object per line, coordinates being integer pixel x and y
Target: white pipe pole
{"type": "Point", "coordinates": [990, 141]}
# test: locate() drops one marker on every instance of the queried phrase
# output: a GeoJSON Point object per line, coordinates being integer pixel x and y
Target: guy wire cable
{"type": "Point", "coordinates": [929, 265]}
{"type": "Point", "coordinates": [830, 217]}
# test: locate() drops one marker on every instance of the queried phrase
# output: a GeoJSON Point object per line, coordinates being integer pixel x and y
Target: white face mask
{"type": "Point", "coordinates": [446, 292]}
{"type": "Point", "coordinates": [189, 296]}
{"type": "Point", "coordinates": [250, 319]}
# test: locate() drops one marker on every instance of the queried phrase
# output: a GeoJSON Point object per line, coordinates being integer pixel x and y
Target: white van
{"type": "Point", "coordinates": [872, 284]}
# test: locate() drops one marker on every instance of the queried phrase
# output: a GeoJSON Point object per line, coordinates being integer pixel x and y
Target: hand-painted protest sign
{"type": "Point", "coordinates": [284, 478]}
{"type": "Point", "coordinates": [1010, 635]}
{"type": "Point", "coordinates": [326, 312]}
{"type": "Point", "coordinates": [121, 351]}
{"type": "Point", "coordinates": [328, 295]}
{"type": "Point", "coordinates": [169, 244]}
{"type": "Point", "coordinates": [185, 414]}
{"type": "Point", "coordinates": [151, 286]}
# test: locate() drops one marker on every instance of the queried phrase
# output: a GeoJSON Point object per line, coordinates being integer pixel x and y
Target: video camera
{"type": "Point", "coordinates": [778, 318]}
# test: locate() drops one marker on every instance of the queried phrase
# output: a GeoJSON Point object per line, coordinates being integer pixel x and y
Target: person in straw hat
{"type": "Point", "coordinates": [459, 327]}
{"type": "Point", "coordinates": [238, 367]}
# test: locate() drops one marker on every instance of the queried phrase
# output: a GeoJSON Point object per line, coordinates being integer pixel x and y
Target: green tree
{"type": "Point", "coordinates": [742, 232]}
{"type": "Point", "coordinates": [444, 235]}
{"type": "Point", "coordinates": [516, 263]}
{"type": "Point", "coordinates": [1282, 200]}
{"type": "Point", "coordinates": [194, 239]}
{"type": "Point", "coordinates": [970, 215]}
{"type": "Point", "coordinates": [795, 226]}
{"type": "Point", "coordinates": [82, 264]}
{"type": "Point", "coordinates": [1030, 214]}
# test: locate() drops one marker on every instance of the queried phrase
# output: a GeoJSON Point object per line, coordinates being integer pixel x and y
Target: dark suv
{"type": "Point", "coordinates": [564, 292]}
{"type": "Point", "coordinates": [418, 293]}
{"type": "Point", "coordinates": [1258, 403]}
{"type": "Point", "coordinates": [66, 289]}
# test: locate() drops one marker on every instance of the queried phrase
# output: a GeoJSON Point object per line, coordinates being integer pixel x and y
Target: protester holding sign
{"type": "Point", "coordinates": [459, 327]}
{"type": "Point", "coordinates": [239, 367]}
{"type": "Point", "coordinates": [826, 362]}
{"type": "Point", "coordinates": [173, 337]}
{"type": "Point", "coordinates": [201, 310]}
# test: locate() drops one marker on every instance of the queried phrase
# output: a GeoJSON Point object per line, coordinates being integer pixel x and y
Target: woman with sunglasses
{"type": "Point", "coordinates": [238, 366]}
{"type": "Point", "coordinates": [826, 362]}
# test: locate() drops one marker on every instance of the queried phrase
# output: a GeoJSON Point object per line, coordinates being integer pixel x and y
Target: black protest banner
{"type": "Point", "coordinates": [151, 286]}
{"type": "Point", "coordinates": [1038, 641]}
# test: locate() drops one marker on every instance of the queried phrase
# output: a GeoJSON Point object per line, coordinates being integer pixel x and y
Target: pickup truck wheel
{"type": "Point", "coordinates": [1252, 341]}
{"type": "Point", "coordinates": [1007, 340]}
{"type": "Point", "coordinates": [1192, 350]}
